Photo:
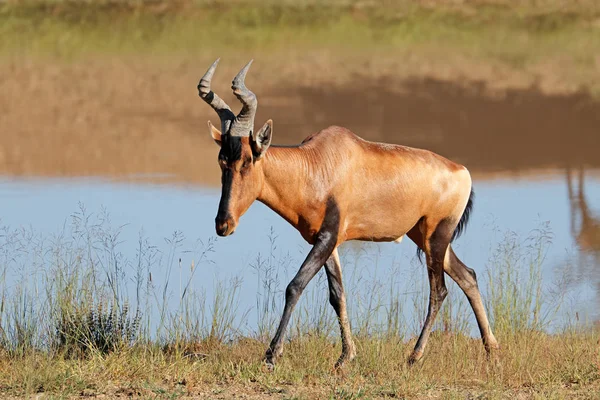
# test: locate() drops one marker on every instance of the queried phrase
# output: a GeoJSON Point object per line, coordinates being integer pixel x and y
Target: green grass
{"type": "Point", "coordinates": [553, 43]}
{"type": "Point", "coordinates": [514, 34]}
{"type": "Point", "coordinates": [79, 318]}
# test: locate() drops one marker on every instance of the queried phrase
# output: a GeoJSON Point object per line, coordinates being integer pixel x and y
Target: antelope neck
{"type": "Point", "coordinates": [283, 170]}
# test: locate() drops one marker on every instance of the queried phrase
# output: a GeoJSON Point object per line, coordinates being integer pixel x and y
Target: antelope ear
{"type": "Point", "coordinates": [262, 139]}
{"type": "Point", "coordinates": [215, 133]}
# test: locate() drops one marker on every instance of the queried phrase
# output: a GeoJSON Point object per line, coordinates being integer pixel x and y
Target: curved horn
{"type": "Point", "coordinates": [204, 91]}
{"type": "Point", "coordinates": [245, 119]}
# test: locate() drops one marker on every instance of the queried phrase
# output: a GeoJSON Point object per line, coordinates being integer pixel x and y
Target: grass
{"type": "Point", "coordinates": [502, 32]}
{"type": "Point", "coordinates": [79, 317]}
{"type": "Point", "coordinates": [533, 365]}
{"type": "Point", "coordinates": [551, 40]}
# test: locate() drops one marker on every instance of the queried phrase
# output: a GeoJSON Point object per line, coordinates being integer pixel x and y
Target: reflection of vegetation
{"type": "Point", "coordinates": [182, 339]}
{"type": "Point", "coordinates": [529, 35]}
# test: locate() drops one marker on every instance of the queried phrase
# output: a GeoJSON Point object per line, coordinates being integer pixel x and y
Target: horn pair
{"type": "Point", "coordinates": [243, 123]}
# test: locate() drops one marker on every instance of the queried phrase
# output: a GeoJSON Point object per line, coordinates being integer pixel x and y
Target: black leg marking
{"type": "Point", "coordinates": [321, 251]}
{"type": "Point", "coordinates": [337, 299]}
{"type": "Point", "coordinates": [436, 247]}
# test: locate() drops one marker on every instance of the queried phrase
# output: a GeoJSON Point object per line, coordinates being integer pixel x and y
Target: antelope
{"type": "Point", "coordinates": [335, 186]}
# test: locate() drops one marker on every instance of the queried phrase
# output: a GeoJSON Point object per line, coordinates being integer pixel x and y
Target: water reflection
{"type": "Point", "coordinates": [515, 131]}
{"type": "Point", "coordinates": [123, 127]}
{"type": "Point", "coordinates": [585, 230]}
{"type": "Point", "coordinates": [585, 225]}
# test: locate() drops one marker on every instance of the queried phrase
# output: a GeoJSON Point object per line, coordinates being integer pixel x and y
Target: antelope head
{"type": "Point", "coordinates": [242, 149]}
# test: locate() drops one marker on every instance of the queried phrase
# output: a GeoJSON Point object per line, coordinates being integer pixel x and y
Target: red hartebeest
{"type": "Point", "coordinates": [335, 187]}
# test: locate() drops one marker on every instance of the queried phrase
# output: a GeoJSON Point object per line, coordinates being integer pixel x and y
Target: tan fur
{"type": "Point", "coordinates": [381, 190]}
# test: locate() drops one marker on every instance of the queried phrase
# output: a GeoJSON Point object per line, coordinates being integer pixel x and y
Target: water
{"type": "Point", "coordinates": [517, 143]}
{"type": "Point", "coordinates": [502, 205]}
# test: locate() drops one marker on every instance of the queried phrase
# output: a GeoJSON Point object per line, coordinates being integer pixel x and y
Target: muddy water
{"type": "Point", "coordinates": [534, 159]}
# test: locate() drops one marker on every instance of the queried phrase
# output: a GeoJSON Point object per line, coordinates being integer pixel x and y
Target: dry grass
{"type": "Point", "coordinates": [530, 365]}
{"type": "Point", "coordinates": [194, 346]}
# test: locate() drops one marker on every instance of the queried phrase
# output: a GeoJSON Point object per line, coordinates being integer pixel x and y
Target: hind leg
{"type": "Point", "coordinates": [337, 298]}
{"type": "Point", "coordinates": [436, 240]}
{"type": "Point", "coordinates": [466, 278]}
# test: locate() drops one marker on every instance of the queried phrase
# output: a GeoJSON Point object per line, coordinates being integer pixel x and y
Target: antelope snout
{"type": "Point", "coordinates": [224, 226]}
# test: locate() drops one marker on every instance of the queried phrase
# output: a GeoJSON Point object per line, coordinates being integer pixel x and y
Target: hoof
{"type": "Point", "coordinates": [492, 349]}
{"type": "Point", "coordinates": [269, 366]}
{"type": "Point", "coordinates": [491, 344]}
{"type": "Point", "coordinates": [345, 358]}
{"type": "Point", "coordinates": [269, 360]}
{"type": "Point", "coordinates": [342, 362]}
{"type": "Point", "coordinates": [492, 356]}
{"type": "Point", "coordinates": [414, 358]}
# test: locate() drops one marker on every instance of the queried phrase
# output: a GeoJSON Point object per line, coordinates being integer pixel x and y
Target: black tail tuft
{"type": "Point", "coordinates": [462, 224]}
{"type": "Point", "coordinates": [420, 254]}
{"type": "Point", "coordinates": [464, 220]}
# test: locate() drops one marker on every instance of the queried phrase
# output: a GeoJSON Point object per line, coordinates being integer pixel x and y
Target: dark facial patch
{"type": "Point", "coordinates": [226, 180]}
{"type": "Point", "coordinates": [231, 149]}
